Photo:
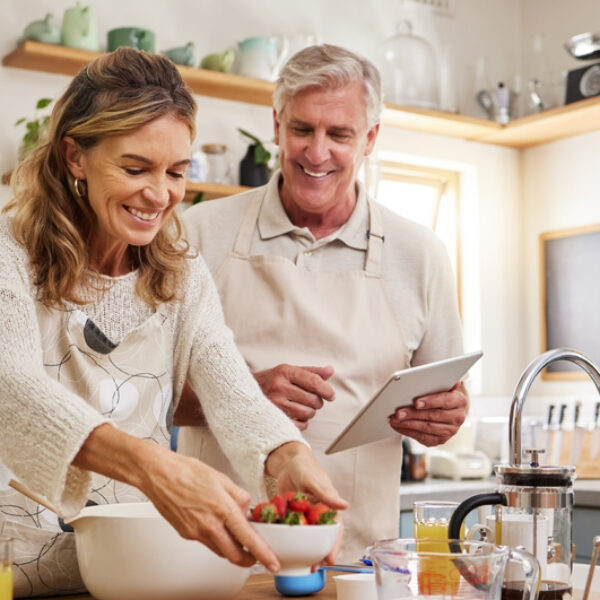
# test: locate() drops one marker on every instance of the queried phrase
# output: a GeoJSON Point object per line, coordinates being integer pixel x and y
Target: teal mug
{"type": "Point", "coordinates": [134, 37]}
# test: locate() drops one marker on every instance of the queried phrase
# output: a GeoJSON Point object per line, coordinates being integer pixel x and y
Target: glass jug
{"type": "Point", "coordinates": [417, 569]}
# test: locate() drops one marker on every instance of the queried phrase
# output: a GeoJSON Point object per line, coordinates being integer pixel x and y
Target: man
{"type": "Point", "coordinates": [328, 293]}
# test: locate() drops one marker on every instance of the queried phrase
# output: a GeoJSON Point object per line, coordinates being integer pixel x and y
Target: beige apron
{"type": "Point", "coordinates": [292, 315]}
{"type": "Point", "coordinates": [131, 384]}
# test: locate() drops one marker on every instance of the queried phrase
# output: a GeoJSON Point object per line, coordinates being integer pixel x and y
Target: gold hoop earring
{"type": "Point", "coordinates": [80, 193]}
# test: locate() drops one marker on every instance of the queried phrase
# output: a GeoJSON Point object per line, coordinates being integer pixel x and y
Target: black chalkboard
{"type": "Point", "coordinates": [571, 295]}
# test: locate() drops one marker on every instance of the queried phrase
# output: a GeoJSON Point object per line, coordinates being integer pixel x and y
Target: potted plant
{"type": "Point", "coordinates": [35, 129]}
{"type": "Point", "coordinates": [254, 167]}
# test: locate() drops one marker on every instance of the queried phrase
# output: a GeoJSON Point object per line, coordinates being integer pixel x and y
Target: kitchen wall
{"type": "Point", "coordinates": [510, 196]}
{"type": "Point", "coordinates": [214, 25]}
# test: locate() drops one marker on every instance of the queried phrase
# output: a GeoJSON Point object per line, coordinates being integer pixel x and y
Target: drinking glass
{"type": "Point", "coordinates": [431, 520]}
{"type": "Point", "coordinates": [6, 577]}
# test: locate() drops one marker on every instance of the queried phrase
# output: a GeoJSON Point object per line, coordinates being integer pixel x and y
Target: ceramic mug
{"type": "Point", "coordinates": [134, 37]}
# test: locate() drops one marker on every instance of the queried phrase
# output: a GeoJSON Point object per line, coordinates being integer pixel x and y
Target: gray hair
{"type": "Point", "coordinates": [329, 67]}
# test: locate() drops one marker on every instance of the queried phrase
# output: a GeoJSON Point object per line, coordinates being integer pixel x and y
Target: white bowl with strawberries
{"type": "Point", "coordinates": [300, 533]}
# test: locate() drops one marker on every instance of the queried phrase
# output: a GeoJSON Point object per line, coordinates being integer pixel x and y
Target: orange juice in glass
{"type": "Point", "coordinates": [6, 577]}
{"type": "Point", "coordinates": [436, 574]}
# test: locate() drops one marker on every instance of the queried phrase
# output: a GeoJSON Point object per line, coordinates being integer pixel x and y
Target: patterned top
{"type": "Point", "coordinates": [44, 425]}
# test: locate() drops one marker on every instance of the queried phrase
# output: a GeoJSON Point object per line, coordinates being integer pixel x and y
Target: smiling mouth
{"type": "Point", "coordinates": [315, 174]}
{"type": "Point", "coordinates": [144, 216]}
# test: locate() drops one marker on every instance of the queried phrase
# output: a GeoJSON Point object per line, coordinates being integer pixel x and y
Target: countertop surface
{"type": "Point", "coordinates": [257, 587]}
{"type": "Point", "coordinates": [587, 491]}
{"type": "Point", "coordinates": [260, 587]}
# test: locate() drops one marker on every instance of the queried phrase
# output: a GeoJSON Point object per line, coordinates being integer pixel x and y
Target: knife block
{"type": "Point", "coordinates": [587, 467]}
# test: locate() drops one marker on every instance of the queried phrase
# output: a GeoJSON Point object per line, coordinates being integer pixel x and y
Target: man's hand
{"type": "Point", "coordinates": [298, 391]}
{"type": "Point", "coordinates": [434, 419]}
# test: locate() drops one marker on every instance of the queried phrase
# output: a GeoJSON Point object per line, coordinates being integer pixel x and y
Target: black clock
{"type": "Point", "coordinates": [583, 83]}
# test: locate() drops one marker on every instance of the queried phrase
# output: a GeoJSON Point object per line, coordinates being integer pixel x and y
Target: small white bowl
{"type": "Point", "coordinates": [298, 547]}
{"type": "Point", "coordinates": [356, 586]}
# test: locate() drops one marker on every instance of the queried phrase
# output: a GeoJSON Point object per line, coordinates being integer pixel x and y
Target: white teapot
{"type": "Point", "coordinates": [261, 57]}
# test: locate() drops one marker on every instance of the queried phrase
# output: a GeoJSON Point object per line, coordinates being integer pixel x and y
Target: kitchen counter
{"type": "Point", "coordinates": [587, 491]}
{"type": "Point", "coordinates": [259, 587]}
{"type": "Point", "coordinates": [447, 490]}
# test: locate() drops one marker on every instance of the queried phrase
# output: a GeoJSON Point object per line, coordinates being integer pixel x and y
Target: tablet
{"type": "Point", "coordinates": [371, 424]}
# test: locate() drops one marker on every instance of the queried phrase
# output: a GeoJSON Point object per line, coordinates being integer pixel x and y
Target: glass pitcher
{"type": "Point", "coordinates": [417, 569]}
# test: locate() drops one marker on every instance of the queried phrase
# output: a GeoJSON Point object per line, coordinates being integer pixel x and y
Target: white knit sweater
{"type": "Point", "coordinates": [44, 425]}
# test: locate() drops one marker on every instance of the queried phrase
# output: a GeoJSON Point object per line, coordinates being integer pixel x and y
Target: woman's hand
{"type": "Point", "coordinates": [200, 503]}
{"type": "Point", "coordinates": [296, 469]}
{"type": "Point", "coordinates": [205, 505]}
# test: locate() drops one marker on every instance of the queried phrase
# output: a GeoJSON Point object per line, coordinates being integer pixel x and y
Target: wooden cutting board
{"type": "Point", "coordinates": [587, 467]}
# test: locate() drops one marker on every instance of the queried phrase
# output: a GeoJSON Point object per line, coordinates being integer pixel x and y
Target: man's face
{"type": "Point", "coordinates": [323, 137]}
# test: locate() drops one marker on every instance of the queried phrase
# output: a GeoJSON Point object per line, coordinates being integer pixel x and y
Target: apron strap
{"type": "Point", "coordinates": [243, 240]}
{"type": "Point", "coordinates": [375, 239]}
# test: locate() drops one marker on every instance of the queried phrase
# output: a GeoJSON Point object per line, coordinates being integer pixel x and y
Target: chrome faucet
{"type": "Point", "coordinates": [527, 377]}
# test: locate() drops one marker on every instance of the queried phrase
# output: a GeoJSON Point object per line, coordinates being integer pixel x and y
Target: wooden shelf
{"type": "Point", "coordinates": [437, 122]}
{"type": "Point", "coordinates": [69, 61]}
{"type": "Point", "coordinates": [547, 126]}
{"type": "Point", "coordinates": [211, 190]}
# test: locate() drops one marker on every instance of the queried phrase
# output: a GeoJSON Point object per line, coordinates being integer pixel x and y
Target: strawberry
{"type": "Point", "coordinates": [256, 511]}
{"type": "Point", "coordinates": [265, 512]}
{"type": "Point", "coordinates": [280, 504]}
{"type": "Point", "coordinates": [299, 502]}
{"type": "Point", "coordinates": [295, 518]}
{"type": "Point", "coordinates": [287, 496]}
{"type": "Point", "coordinates": [320, 514]}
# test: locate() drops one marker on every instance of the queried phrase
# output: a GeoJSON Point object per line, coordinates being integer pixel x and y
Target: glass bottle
{"type": "Point", "coordinates": [218, 167]}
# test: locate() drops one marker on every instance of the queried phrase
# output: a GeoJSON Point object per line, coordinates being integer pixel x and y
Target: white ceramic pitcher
{"type": "Point", "coordinates": [262, 57]}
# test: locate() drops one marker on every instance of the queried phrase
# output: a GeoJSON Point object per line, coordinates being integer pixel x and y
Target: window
{"type": "Point", "coordinates": [426, 195]}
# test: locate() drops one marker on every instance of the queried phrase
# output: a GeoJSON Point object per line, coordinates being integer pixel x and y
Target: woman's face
{"type": "Point", "coordinates": [134, 181]}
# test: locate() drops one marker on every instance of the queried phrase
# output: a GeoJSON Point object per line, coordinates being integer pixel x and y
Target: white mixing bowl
{"type": "Point", "coordinates": [129, 551]}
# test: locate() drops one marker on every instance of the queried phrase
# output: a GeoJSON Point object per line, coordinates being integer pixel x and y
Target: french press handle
{"type": "Point", "coordinates": [464, 508]}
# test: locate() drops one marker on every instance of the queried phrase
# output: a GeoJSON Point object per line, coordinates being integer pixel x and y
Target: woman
{"type": "Point", "coordinates": [104, 314]}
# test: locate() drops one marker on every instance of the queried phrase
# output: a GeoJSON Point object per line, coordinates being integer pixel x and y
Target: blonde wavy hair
{"type": "Point", "coordinates": [115, 94]}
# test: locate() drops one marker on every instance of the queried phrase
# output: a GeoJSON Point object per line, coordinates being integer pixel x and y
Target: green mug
{"type": "Point", "coordinates": [134, 37]}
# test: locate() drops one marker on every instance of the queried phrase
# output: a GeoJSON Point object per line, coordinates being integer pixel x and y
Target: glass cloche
{"type": "Point", "coordinates": [408, 69]}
